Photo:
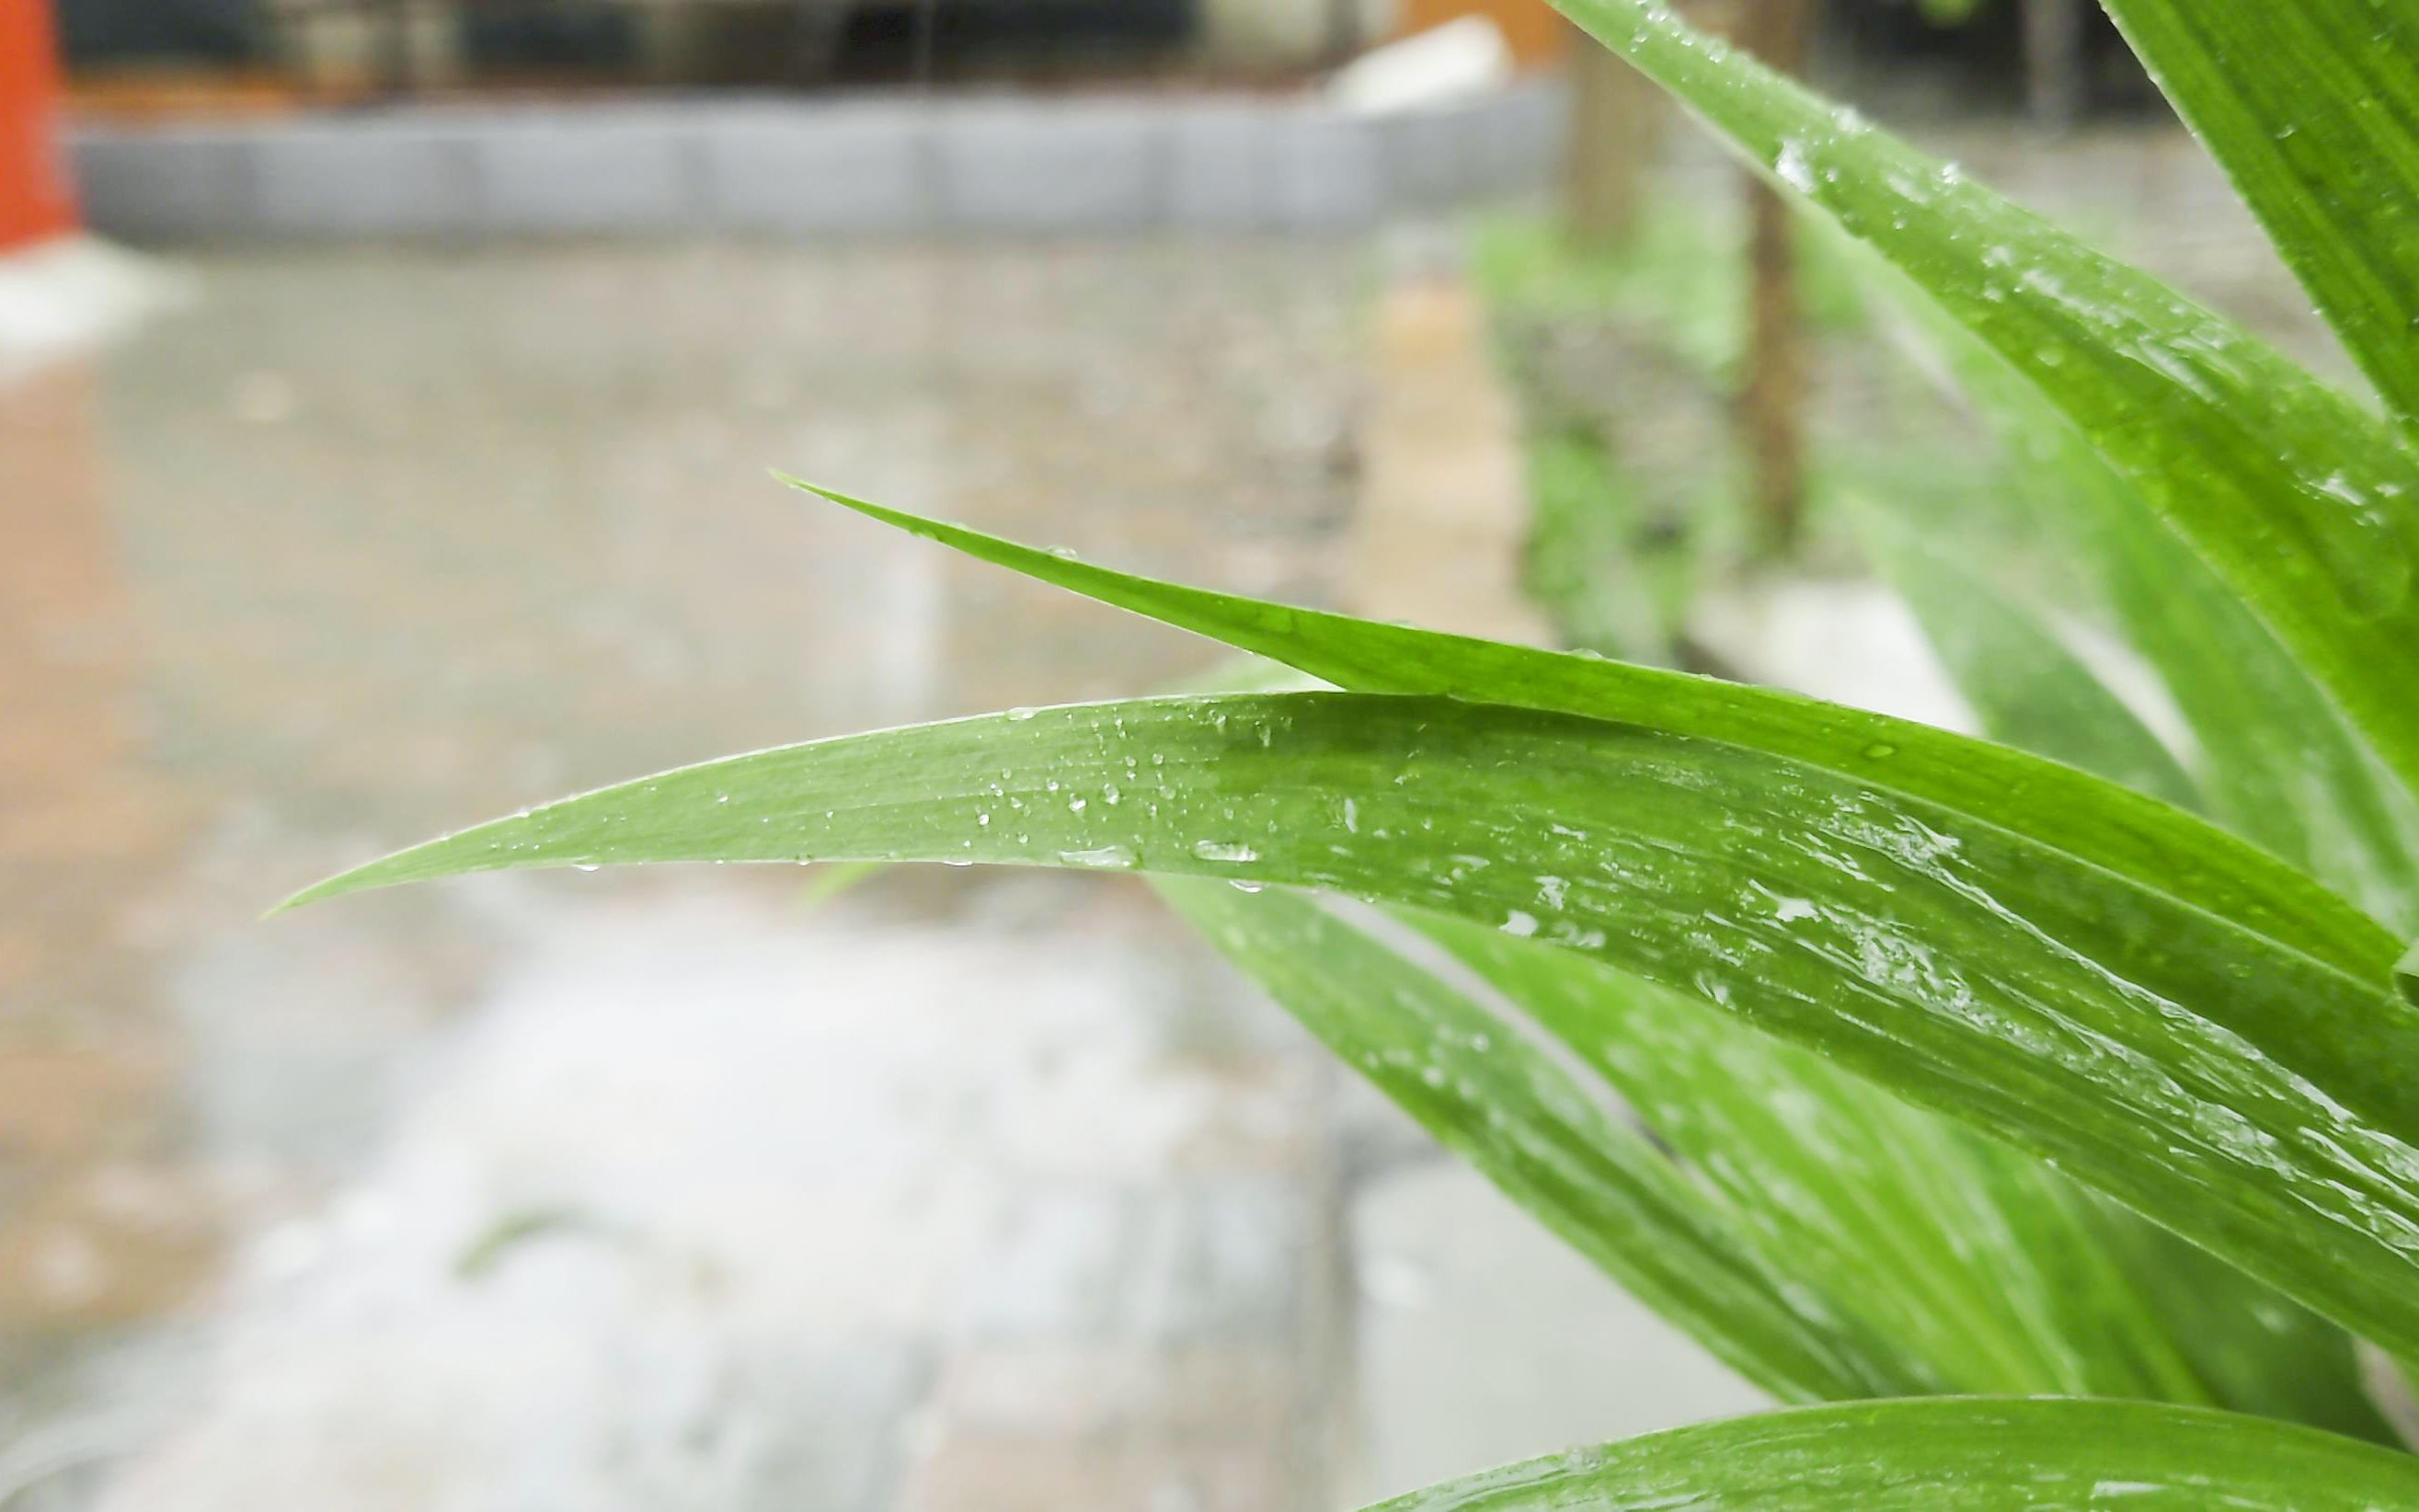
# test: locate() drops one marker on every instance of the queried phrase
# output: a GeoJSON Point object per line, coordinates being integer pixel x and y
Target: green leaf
{"type": "Point", "coordinates": [827, 883]}
{"type": "Point", "coordinates": [1547, 1142]}
{"type": "Point", "coordinates": [2286, 771]}
{"type": "Point", "coordinates": [1948, 12]}
{"type": "Point", "coordinates": [2029, 690]}
{"type": "Point", "coordinates": [2313, 108]}
{"type": "Point", "coordinates": [2304, 502]}
{"type": "Point", "coordinates": [1799, 1185]}
{"type": "Point", "coordinates": [1998, 1280]}
{"type": "Point", "coordinates": [1956, 1455]}
{"type": "Point", "coordinates": [1581, 565]}
{"type": "Point", "coordinates": [2273, 759]}
{"type": "Point", "coordinates": [2003, 1276]}
{"type": "Point", "coordinates": [2241, 1093]}
{"type": "Point", "coordinates": [2093, 821]}
{"type": "Point", "coordinates": [2253, 1350]}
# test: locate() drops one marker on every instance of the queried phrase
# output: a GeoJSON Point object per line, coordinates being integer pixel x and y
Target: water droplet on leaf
{"type": "Point", "coordinates": [1104, 857]}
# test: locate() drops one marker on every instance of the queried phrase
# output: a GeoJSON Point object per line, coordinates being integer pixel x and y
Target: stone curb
{"type": "Point", "coordinates": [862, 167]}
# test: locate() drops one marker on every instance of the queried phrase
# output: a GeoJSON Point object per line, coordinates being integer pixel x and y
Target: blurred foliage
{"type": "Point", "coordinates": [1625, 365]}
{"type": "Point", "coordinates": [1950, 12]}
{"type": "Point", "coordinates": [1678, 283]}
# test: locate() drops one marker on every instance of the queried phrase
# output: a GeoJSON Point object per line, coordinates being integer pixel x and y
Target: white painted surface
{"type": "Point", "coordinates": [71, 295]}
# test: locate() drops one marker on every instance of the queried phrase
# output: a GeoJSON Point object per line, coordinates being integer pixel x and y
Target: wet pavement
{"type": "Point", "coordinates": [634, 1190]}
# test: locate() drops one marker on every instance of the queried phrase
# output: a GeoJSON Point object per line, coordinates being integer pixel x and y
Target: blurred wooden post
{"type": "Point", "coordinates": [2053, 32]}
{"type": "Point", "coordinates": [427, 45]}
{"type": "Point", "coordinates": [1615, 125]}
{"type": "Point", "coordinates": [1772, 399]}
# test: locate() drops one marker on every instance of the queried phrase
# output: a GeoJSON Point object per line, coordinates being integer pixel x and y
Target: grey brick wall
{"type": "Point", "coordinates": [983, 165]}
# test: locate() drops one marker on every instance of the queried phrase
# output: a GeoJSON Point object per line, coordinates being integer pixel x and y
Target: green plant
{"type": "Point", "coordinates": [1972, 1076]}
{"type": "Point", "coordinates": [1625, 364]}
{"type": "Point", "coordinates": [1948, 12]}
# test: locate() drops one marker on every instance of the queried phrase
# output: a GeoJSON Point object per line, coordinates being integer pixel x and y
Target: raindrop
{"type": "Point", "coordinates": [2369, 558]}
{"type": "Point", "coordinates": [1880, 750]}
{"type": "Point", "coordinates": [1241, 886]}
{"type": "Point", "coordinates": [1222, 850]}
{"type": "Point", "coordinates": [1791, 166]}
{"type": "Point", "coordinates": [1020, 714]}
{"type": "Point", "coordinates": [1105, 858]}
{"type": "Point", "coordinates": [1519, 924]}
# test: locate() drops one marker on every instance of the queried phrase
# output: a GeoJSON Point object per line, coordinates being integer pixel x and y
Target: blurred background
{"type": "Point", "coordinates": [386, 394]}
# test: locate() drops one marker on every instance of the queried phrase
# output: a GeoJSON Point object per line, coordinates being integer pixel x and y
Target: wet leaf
{"type": "Point", "coordinates": [2243, 1093]}
{"type": "Point", "coordinates": [2304, 503]}
{"type": "Point", "coordinates": [2029, 690]}
{"type": "Point", "coordinates": [2273, 759]}
{"type": "Point", "coordinates": [2002, 1276]}
{"type": "Point", "coordinates": [1551, 1144]}
{"type": "Point", "coordinates": [1995, 1281]}
{"type": "Point", "coordinates": [2095, 822]}
{"type": "Point", "coordinates": [1956, 1455]}
{"type": "Point", "coordinates": [1820, 1236]}
{"type": "Point", "coordinates": [2313, 108]}
{"type": "Point", "coordinates": [2253, 1350]}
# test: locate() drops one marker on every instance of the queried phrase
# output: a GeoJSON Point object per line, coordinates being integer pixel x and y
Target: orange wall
{"type": "Point", "coordinates": [35, 199]}
{"type": "Point", "coordinates": [1537, 33]}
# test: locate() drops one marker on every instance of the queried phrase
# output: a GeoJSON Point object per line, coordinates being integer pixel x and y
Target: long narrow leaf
{"type": "Point", "coordinates": [2313, 107]}
{"type": "Point", "coordinates": [2302, 502]}
{"type": "Point", "coordinates": [1527, 1126]}
{"type": "Point", "coordinates": [2093, 821]}
{"type": "Point", "coordinates": [2028, 689]}
{"type": "Point", "coordinates": [2000, 1274]}
{"type": "Point", "coordinates": [1987, 1266]}
{"type": "Point", "coordinates": [1956, 1455]}
{"type": "Point", "coordinates": [2275, 760]}
{"type": "Point", "coordinates": [2239, 1093]}
{"type": "Point", "coordinates": [2254, 1350]}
